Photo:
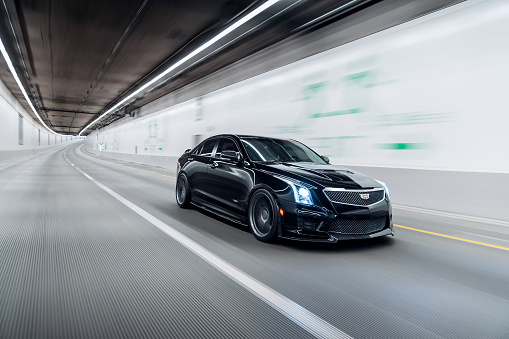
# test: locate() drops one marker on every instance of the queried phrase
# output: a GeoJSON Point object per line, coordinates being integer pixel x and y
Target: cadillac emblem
{"type": "Point", "coordinates": [365, 196]}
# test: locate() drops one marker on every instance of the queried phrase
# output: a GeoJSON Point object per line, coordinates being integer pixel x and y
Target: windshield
{"type": "Point", "coordinates": [265, 149]}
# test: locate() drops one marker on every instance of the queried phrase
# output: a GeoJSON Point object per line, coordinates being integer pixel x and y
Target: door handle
{"type": "Point", "coordinates": [214, 164]}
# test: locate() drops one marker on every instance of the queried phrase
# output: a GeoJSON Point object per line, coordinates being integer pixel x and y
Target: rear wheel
{"type": "Point", "coordinates": [263, 216]}
{"type": "Point", "coordinates": [182, 192]}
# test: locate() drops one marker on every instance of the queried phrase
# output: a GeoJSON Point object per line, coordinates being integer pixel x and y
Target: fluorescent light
{"type": "Point", "coordinates": [207, 44]}
{"type": "Point", "coordinates": [224, 45]}
{"type": "Point", "coordinates": [15, 75]}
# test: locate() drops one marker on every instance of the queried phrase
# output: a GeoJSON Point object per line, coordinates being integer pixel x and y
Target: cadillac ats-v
{"type": "Point", "coordinates": [281, 188]}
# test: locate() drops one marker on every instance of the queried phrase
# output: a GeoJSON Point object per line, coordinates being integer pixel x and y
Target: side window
{"type": "Point", "coordinates": [198, 149]}
{"type": "Point", "coordinates": [208, 147]}
{"type": "Point", "coordinates": [226, 144]}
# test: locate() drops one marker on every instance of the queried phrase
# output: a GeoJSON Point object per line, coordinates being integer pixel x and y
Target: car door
{"type": "Point", "coordinates": [197, 168]}
{"type": "Point", "coordinates": [226, 179]}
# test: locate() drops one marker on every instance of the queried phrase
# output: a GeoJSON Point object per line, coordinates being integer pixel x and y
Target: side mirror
{"type": "Point", "coordinates": [231, 155]}
{"type": "Point", "coordinates": [187, 150]}
{"type": "Point", "coordinates": [325, 158]}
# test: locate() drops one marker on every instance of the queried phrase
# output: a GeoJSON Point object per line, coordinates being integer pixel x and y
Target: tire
{"type": "Point", "coordinates": [182, 192]}
{"type": "Point", "coordinates": [263, 216]}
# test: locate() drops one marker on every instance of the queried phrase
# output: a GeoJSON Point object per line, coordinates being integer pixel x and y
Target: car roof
{"type": "Point", "coordinates": [243, 136]}
{"type": "Point", "coordinates": [246, 136]}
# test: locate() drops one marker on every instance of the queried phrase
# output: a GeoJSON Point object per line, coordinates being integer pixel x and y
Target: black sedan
{"type": "Point", "coordinates": [282, 188]}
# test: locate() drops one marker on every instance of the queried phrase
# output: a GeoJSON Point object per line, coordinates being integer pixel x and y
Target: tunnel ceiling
{"type": "Point", "coordinates": [76, 59]}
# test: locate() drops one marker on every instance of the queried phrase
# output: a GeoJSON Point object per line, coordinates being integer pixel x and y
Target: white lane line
{"type": "Point", "coordinates": [290, 309]}
{"type": "Point", "coordinates": [484, 236]}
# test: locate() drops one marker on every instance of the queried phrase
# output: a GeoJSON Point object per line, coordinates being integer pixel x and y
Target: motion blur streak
{"type": "Point", "coordinates": [225, 45]}
{"type": "Point", "coordinates": [137, 169]}
{"type": "Point", "coordinates": [402, 105]}
{"type": "Point", "coordinates": [225, 32]}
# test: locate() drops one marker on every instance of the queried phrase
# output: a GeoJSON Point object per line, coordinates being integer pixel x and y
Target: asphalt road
{"type": "Point", "coordinates": [111, 255]}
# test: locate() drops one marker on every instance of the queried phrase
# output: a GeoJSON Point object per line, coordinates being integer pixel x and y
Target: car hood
{"type": "Point", "coordinates": [322, 175]}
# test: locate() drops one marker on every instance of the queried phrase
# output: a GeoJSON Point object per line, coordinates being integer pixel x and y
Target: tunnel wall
{"type": "Point", "coordinates": [420, 105]}
{"type": "Point", "coordinates": [33, 140]}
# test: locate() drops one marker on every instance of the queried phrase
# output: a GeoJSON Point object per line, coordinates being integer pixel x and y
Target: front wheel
{"type": "Point", "coordinates": [263, 216]}
{"type": "Point", "coordinates": [182, 192]}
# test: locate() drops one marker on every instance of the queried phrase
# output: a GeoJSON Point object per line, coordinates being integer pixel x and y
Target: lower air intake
{"type": "Point", "coordinates": [357, 226]}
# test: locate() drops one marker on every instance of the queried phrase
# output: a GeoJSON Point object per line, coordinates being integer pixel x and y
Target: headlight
{"type": "Point", "coordinates": [385, 188]}
{"type": "Point", "coordinates": [301, 194]}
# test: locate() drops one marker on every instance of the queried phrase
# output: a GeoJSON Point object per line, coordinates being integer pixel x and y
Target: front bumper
{"type": "Point", "coordinates": [313, 223]}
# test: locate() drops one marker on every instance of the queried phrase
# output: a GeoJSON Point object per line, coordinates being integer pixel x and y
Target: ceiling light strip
{"type": "Point", "coordinates": [240, 36]}
{"type": "Point", "coordinates": [15, 76]}
{"type": "Point", "coordinates": [225, 45]}
{"type": "Point", "coordinates": [223, 33]}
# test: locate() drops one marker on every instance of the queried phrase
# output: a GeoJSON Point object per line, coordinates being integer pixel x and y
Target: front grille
{"type": "Point", "coordinates": [354, 197]}
{"type": "Point", "coordinates": [357, 226]}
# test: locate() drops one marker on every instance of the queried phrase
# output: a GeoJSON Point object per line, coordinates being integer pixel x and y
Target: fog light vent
{"type": "Point", "coordinates": [308, 224]}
